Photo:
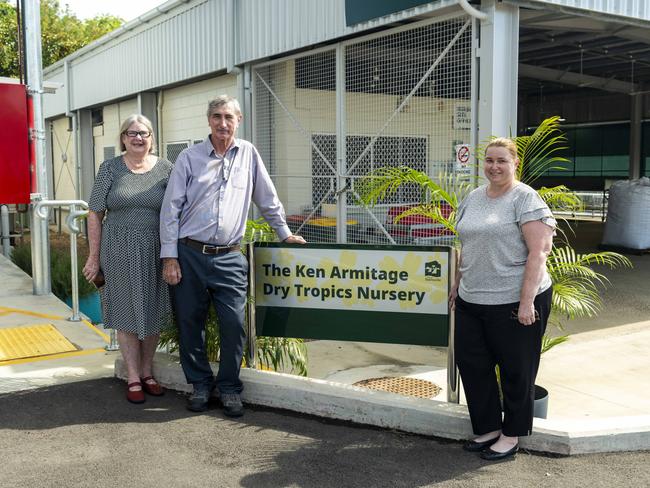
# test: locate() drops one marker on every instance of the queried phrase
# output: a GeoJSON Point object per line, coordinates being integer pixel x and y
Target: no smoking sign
{"type": "Point", "coordinates": [462, 154]}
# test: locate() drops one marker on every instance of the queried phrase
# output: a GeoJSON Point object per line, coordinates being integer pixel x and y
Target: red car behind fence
{"type": "Point", "coordinates": [418, 229]}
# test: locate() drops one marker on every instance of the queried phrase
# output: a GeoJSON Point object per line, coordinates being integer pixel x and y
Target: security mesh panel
{"type": "Point", "coordinates": [295, 127]}
{"type": "Point", "coordinates": [174, 149]}
{"type": "Point", "coordinates": [406, 102]}
{"type": "Point", "coordinates": [109, 152]}
{"type": "Point", "coordinates": [404, 386]}
{"type": "Point", "coordinates": [405, 97]}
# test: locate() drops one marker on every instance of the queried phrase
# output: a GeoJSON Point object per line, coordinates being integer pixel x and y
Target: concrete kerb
{"type": "Point", "coordinates": [418, 416]}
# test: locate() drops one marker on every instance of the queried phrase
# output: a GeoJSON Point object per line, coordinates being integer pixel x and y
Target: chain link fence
{"type": "Point", "coordinates": [406, 101]}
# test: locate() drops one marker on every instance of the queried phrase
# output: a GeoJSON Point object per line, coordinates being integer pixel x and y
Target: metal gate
{"type": "Point", "coordinates": [325, 119]}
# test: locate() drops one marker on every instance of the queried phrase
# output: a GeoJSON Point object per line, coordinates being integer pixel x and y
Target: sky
{"type": "Point", "coordinates": [126, 9]}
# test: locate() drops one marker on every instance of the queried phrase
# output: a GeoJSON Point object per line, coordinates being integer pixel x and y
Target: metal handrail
{"type": "Point", "coordinates": [42, 210]}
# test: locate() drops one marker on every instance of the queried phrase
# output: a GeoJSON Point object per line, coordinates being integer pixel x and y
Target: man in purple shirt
{"type": "Point", "coordinates": [202, 221]}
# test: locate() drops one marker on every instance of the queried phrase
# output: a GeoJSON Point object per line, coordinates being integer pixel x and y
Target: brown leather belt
{"type": "Point", "coordinates": [208, 248]}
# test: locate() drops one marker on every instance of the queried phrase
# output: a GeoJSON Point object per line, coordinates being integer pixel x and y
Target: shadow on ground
{"type": "Point", "coordinates": [86, 434]}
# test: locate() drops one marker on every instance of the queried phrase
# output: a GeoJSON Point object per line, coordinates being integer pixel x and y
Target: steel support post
{"type": "Point", "coordinates": [251, 354]}
{"type": "Point", "coordinates": [4, 218]}
{"type": "Point", "coordinates": [499, 55]}
{"type": "Point", "coordinates": [39, 230]}
{"type": "Point", "coordinates": [341, 160]}
{"type": "Point", "coordinates": [452, 371]}
{"type": "Point", "coordinates": [636, 113]}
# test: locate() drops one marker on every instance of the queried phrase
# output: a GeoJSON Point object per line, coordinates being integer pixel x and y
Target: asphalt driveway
{"type": "Point", "coordinates": [86, 434]}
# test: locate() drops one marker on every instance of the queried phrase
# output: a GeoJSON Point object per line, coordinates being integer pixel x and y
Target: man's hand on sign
{"type": "Point", "coordinates": [293, 239]}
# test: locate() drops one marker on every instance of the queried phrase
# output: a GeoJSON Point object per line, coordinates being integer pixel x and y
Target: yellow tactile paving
{"type": "Point", "coordinates": [8, 311]}
{"type": "Point", "coordinates": [32, 341]}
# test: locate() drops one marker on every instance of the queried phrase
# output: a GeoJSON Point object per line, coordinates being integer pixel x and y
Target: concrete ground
{"type": "Point", "coordinates": [84, 434]}
{"type": "Point", "coordinates": [19, 308]}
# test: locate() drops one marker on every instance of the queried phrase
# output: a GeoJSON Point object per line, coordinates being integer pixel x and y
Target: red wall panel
{"type": "Point", "coordinates": [15, 184]}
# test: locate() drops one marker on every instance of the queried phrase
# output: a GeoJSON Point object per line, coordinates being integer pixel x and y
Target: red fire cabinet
{"type": "Point", "coordinates": [15, 175]}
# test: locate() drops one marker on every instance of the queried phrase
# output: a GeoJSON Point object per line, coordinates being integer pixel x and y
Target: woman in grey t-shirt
{"type": "Point", "coordinates": [502, 299]}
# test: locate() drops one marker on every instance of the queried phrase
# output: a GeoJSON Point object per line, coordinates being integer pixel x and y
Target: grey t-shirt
{"type": "Point", "coordinates": [494, 252]}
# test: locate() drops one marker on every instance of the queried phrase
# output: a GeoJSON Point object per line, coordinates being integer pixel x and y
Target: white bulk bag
{"type": "Point", "coordinates": [628, 215]}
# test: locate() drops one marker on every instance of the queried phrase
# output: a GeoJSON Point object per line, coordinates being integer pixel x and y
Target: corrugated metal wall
{"type": "Point", "coordinates": [196, 39]}
{"type": "Point", "coordinates": [182, 44]}
{"type": "Point", "coordinates": [270, 27]}
{"type": "Point", "coordinates": [203, 37]}
{"type": "Point", "coordinates": [635, 9]}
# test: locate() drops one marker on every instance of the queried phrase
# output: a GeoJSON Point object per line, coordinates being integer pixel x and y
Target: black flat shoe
{"type": "Point", "coordinates": [490, 455]}
{"type": "Point", "coordinates": [473, 446]}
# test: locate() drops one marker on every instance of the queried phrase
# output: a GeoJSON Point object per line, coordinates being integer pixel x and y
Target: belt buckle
{"type": "Point", "coordinates": [208, 249]}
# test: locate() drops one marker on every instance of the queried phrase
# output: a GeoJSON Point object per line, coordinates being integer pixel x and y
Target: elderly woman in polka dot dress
{"type": "Point", "coordinates": [123, 233]}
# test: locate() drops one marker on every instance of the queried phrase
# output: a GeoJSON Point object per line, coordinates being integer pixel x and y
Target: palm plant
{"type": "Point", "coordinates": [575, 282]}
{"type": "Point", "coordinates": [275, 353]}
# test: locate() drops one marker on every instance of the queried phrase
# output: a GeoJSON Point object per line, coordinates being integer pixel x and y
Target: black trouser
{"type": "Point", "coordinates": [221, 279]}
{"type": "Point", "coordinates": [487, 335]}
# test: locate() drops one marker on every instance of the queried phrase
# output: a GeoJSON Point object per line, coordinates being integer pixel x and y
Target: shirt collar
{"type": "Point", "coordinates": [209, 149]}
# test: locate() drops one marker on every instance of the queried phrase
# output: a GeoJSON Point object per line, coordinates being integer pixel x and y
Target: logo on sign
{"type": "Point", "coordinates": [432, 271]}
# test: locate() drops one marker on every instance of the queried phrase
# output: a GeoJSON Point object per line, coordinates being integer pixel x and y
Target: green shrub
{"type": "Point", "coordinates": [60, 272]}
{"type": "Point", "coordinates": [21, 255]}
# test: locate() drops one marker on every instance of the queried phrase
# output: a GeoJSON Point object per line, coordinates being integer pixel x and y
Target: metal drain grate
{"type": "Point", "coordinates": [404, 386]}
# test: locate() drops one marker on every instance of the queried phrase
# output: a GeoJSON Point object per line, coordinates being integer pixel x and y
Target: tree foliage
{"type": "Point", "coordinates": [62, 33]}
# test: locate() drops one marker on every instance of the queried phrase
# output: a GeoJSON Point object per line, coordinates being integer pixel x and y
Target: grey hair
{"type": "Point", "coordinates": [223, 100]}
{"type": "Point", "coordinates": [141, 119]}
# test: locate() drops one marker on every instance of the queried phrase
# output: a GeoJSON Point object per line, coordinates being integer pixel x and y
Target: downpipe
{"type": "Point", "coordinates": [4, 218]}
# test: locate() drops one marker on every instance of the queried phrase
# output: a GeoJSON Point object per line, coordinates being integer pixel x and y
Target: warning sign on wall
{"type": "Point", "coordinates": [462, 116]}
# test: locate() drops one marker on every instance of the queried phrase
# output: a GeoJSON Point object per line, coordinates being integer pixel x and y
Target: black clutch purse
{"type": "Point", "coordinates": [99, 280]}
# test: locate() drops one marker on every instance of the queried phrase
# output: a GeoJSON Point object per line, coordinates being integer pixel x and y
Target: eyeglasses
{"type": "Point", "coordinates": [135, 133]}
{"type": "Point", "coordinates": [514, 315]}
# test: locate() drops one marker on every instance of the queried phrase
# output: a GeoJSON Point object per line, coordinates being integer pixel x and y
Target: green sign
{"type": "Point", "coordinates": [393, 294]}
{"type": "Point", "coordinates": [357, 11]}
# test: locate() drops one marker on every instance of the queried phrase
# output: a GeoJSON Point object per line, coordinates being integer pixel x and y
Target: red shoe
{"type": "Point", "coordinates": [152, 387]}
{"type": "Point", "coordinates": [136, 396]}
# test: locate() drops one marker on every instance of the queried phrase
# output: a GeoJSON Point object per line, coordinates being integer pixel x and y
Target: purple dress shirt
{"type": "Point", "coordinates": [208, 197]}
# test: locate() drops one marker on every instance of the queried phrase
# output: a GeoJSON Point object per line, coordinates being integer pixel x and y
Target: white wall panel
{"type": "Point", "coordinates": [184, 108]}
{"type": "Point", "coordinates": [63, 160]}
{"type": "Point", "coordinates": [108, 134]}
{"type": "Point", "coordinates": [54, 104]}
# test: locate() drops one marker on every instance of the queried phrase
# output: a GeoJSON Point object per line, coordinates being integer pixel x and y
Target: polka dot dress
{"type": "Point", "coordinates": [135, 298]}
